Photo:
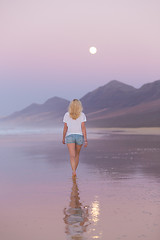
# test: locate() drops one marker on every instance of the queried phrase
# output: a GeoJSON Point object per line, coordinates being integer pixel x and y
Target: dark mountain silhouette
{"type": "Point", "coordinates": [53, 105]}
{"type": "Point", "coordinates": [124, 106]}
{"type": "Point", "coordinates": [113, 105]}
{"type": "Point", "coordinates": [148, 92]}
{"type": "Point", "coordinates": [113, 95]}
{"type": "Point", "coordinates": [141, 115]}
{"type": "Point", "coordinates": [39, 115]}
{"type": "Point", "coordinates": [117, 95]}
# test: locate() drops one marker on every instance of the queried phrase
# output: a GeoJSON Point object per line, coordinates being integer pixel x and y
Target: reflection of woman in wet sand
{"type": "Point", "coordinates": [74, 132]}
{"type": "Point", "coordinates": [76, 216]}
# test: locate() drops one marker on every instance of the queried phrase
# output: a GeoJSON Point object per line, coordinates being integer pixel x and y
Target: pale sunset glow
{"type": "Point", "coordinates": [44, 46]}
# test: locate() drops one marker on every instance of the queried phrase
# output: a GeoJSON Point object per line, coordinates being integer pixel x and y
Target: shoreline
{"type": "Point", "coordinates": [93, 133]}
{"type": "Point", "coordinates": [126, 131]}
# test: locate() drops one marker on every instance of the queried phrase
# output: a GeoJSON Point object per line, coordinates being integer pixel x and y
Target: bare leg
{"type": "Point", "coordinates": [77, 152]}
{"type": "Point", "coordinates": [72, 153]}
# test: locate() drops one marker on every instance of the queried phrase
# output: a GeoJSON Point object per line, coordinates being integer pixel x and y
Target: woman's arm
{"type": "Point", "coordinates": [65, 128]}
{"type": "Point", "coordinates": [84, 133]}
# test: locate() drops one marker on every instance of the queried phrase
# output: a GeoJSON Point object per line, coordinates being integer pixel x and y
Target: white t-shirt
{"type": "Point", "coordinates": [74, 125]}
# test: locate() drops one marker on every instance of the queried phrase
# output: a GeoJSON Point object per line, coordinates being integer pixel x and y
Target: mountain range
{"type": "Point", "coordinates": [113, 105]}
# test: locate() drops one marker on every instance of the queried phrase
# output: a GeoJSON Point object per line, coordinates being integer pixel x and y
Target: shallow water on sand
{"type": "Point", "coordinates": [115, 196]}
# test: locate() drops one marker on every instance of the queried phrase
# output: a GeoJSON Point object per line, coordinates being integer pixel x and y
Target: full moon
{"type": "Point", "coordinates": [93, 50]}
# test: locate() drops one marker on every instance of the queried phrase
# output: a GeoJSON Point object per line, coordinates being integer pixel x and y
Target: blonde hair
{"type": "Point", "coordinates": [75, 108]}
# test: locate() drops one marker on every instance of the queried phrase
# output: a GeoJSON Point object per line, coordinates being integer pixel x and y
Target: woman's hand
{"type": "Point", "coordinates": [85, 143]}
{"type": "Point", "coordinates": [64, 132]}
{"type": "Point", "coordinates": [84, 134]}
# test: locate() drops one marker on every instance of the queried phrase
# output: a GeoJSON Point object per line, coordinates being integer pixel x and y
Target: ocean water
{"type": "Point", "coordinates": [28, 131]}
{"type": "Point", "coordinates": [116, 194]}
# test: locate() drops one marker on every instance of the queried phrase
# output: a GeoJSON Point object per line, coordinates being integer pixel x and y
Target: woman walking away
{"type": "Point", "coordinates": [74, 132]}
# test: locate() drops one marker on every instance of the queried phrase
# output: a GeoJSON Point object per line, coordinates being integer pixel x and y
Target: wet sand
{"type": "Point", "coordinates": [116, 194]}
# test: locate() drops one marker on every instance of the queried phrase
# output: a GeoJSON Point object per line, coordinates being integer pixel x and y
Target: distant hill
{"type": "Point", "coordinates": [113, 95]}
{"type": "Point", "coordinates": [53, 105]}
{"type": "Point", "coordinates": [117, 95]}
{"type": "Point", "coordinates": [113, 105]}
{"type": "Point", "coordinates": [148, 92]}
{"type": "Point", "coordinates": [141, 115]}
{"type": "Point", "coordinates": [39, 115]}
{"type": "Point", "coordinates": [119, 105]}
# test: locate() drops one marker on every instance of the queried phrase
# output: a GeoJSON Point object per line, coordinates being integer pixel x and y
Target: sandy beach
{"type": "Point", "coordinates": [130, 131]}
{"type": "Point", "coordinates": [115, 196]}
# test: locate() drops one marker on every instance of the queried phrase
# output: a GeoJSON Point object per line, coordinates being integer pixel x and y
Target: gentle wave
{"type": "Point", "coordinates": [17, 131]}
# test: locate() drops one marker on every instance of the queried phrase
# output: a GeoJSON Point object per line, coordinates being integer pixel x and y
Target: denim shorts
{"type": "Point", "coordinates": [75, 138]}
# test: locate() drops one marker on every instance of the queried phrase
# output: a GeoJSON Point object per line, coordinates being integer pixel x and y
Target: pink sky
{"type": "Point", "coordinates": [44, 47]}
